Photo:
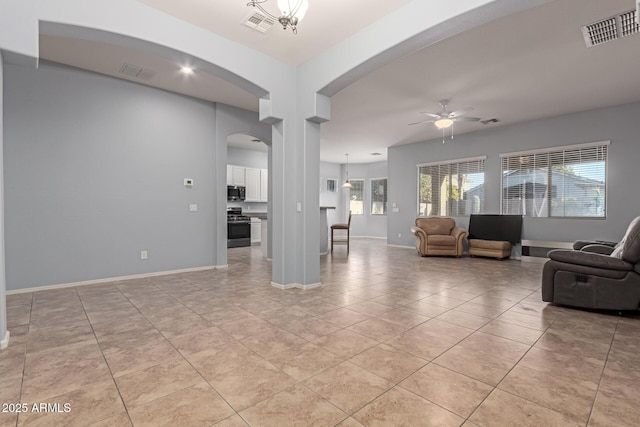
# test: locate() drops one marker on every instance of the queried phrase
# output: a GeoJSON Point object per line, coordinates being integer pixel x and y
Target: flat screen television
{"type": "Point", "coordinates": [507, 228]}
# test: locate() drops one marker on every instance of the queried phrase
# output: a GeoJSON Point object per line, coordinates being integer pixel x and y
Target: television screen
{"type": "Point", "coordinates": [507, 228]}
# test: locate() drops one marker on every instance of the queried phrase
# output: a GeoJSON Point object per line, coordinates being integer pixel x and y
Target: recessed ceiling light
{"type": "Point", "coordinates": [186, 70]}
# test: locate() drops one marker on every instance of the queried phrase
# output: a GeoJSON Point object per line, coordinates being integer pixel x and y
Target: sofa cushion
{"type": "Point", "coordinates": [439, 240]}
{"type": "Point", "coordinates": [436, 225]}
{"type": "Point", "coordinates": [489, 244]}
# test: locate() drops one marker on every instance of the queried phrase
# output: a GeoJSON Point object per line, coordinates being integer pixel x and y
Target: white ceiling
{"type": "Point", "coordinates": [526, 66]}
{"type": "Point", "coordinates": [326, 23]}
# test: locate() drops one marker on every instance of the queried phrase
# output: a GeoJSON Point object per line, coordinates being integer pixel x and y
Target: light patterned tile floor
{"type": "Point", "coordinates": [389, 339]}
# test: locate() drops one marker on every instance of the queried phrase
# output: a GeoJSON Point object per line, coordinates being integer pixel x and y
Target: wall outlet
{"type": "Point", "coordinates": [144, 255]}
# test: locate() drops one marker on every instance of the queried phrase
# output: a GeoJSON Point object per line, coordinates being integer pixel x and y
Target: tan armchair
{"type": "Point", "coordinates": [438, 236]}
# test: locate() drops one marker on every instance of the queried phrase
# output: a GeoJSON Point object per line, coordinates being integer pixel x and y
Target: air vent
{"type": "Point", "coordinates": [488, 121]}
{"type": "Point", "coordinates": [136, 72]}
{"type": "Point", "coordinates": [258, 21]}
{"type": "Point", "coordinates": [609, 29]}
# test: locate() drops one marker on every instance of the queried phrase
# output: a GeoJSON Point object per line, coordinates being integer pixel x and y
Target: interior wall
{"type": "Point", "coordinates": [619, 124]}
{"type": "Point", "coordinates": [3, 302]}
{"type": "Point", "coordinates": [94, 170]}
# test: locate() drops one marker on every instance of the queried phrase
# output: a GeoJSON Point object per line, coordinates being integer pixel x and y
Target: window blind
{"type": "Point", "coordinates": [564, 182]}
{"type": "Point", "coordinates": [454, 188]}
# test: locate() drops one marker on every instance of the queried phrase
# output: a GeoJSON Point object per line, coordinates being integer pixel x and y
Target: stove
{"type": "Point", "coordinates": [238, 228]}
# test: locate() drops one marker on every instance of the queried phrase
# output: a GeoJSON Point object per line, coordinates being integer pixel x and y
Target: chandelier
{"type": "Point", "coordinates": [347, 184]}
{"type": "Point", "coordinates": [291, 12]}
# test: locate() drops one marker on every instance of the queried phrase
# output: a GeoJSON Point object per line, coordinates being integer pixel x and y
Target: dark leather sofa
{"type": "Point", "coordinates": [588, 279]}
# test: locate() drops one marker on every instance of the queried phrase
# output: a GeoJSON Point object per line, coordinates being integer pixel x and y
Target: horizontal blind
{"type": "Point", "coordinates": [568, 182]}
{"type": "Point", "coordinates": [451, 189]}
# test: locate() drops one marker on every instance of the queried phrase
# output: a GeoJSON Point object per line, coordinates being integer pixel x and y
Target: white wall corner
{"type": "Point", "coordinates": [5, 341]}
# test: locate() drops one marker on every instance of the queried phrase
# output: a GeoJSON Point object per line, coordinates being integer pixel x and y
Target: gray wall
{"type": "Point", "coordinates": [3, 302]}
{"type": "Point", "coordinates": [247, 158]}
{"type": "Point", "coordinates": [94, 171]}
{"type": "Point", "coordinates": [619, 124]}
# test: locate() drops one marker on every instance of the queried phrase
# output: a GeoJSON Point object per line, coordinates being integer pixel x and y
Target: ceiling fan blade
{"type": "Point", "coordinates": [434, 115]}
{"type": "Point", "coordinates": [466, 119]}
{"type": "Point", "coordinates": [460, 112]}
{"type": "Point", "coordinates": [418, 123]}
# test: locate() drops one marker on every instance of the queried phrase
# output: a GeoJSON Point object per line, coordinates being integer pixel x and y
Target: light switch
{"type": "Point", "coordinates": [299, 207]}
{"type": "Point", "coordinates": [193, 208]}
{"type": "Point", "coordinates": [396, 209]}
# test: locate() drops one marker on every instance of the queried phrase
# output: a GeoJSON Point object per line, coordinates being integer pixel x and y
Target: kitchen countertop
{"type": "Point", "coordinates": [255, 214]}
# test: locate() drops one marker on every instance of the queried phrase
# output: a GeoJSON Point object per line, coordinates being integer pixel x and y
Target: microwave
{"type": "Point", "coordinates": [235, 193]}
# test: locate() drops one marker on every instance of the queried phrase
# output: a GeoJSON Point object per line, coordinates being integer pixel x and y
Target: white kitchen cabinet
{"type": "Point", "coordinates": [235, 175]}
{"type": "Point", "coordinates": [256, 230]}
{"type": "Point", "coordinates": [264, 185]}
{"type": "Point", "coordinates": [252, 183]}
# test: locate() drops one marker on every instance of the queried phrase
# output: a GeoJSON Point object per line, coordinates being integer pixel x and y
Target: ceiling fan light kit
{"type": "Point", "coordinates": [445, 119]}
{"type": "Point", "coordinates": [292, 12]}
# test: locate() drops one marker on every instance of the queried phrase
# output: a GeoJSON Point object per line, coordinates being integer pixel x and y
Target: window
{"type": "Point", "coordinates": [379, 196]}
{"type": "Point", "coordinates": [356, 197]}
{"type": "Point", "coordinates": [452, 188]}
{"type": "Point", "coordinates": [562, 182]}
{"type": "Point", "coordinates": [332, 185]}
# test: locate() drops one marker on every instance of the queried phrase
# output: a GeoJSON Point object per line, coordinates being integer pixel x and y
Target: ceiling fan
{"type": "Point", "coordinates": [445, 119]}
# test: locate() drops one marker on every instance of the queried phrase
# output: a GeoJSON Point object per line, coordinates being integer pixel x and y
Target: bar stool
{"type": "Point", "coordinates": [342, 239]}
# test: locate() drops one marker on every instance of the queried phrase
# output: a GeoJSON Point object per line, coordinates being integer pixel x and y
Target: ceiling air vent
{"type": "Point", "coordinates": [609, 29]}
{"type": "Point", "coordinates": [136, 72]}
{"type": "Point", "coordinates": [257, 21]}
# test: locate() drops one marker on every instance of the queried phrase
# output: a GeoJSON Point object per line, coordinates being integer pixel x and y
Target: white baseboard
{"type": "Point", "coordinates": [296, 285]}
{"type": "Point", "coordinates": [401, 246]}
{"type": "Point", "coordinates": [5, 341]}
{"type": "Point", "coordinates": [114, 279]}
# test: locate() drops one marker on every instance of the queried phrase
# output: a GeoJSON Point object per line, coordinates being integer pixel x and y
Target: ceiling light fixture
{"type": "Point", "coordinates": [443, 123]}
{"type": "Point", "coordinates": [291, 12]}
{"type": "Point", "coordinates": [186, 70]}
{"type": "Point", "coordinates": [347, 184]}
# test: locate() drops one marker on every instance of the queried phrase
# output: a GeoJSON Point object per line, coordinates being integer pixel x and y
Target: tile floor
{"type": "Point", "coordinates": [390, 339]}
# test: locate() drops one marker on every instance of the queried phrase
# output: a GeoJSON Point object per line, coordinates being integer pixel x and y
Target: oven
{"type": "Point", "coordinates": [238, 228]}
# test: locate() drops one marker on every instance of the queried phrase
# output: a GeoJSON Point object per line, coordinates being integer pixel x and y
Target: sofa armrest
{"type": "Point", "coordinates": [597, 248]}
{"type": "Point", "coordinates": [419, 232]}
{"type": "Point", "coordinates": [458, 232]}
{"type": "Point", "coordinates": [588, 259]}
{"type": "Point", "coordinates": [579, 244]}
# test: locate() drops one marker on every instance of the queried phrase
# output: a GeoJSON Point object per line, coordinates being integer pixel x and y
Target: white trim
{"type": "Point", "coordinates": [552, 149]}
{"type": "Point", "coordinates": [369, 237]}
{"type": "Point", "coordinates": [447, 162]}
{"type": "Point", "coordinates": [5, 341]}
{"type": "Point", "coordinates": [401, 246]}
{"type": "Point", "coordinates": [296, 285]}
{"type": "Point", "coordinates": [113, 279]}
{"type": "Point", "coordinates": [547, 244]}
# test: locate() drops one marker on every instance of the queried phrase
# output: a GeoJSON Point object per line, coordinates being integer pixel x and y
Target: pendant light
{"type": "Point", "coordinates": [347, 184]}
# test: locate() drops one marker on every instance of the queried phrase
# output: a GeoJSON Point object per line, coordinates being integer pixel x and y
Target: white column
{"type": "Point", "coordinates": [4, 333]}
